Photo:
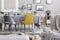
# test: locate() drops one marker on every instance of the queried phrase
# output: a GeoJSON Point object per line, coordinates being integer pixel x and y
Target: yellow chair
{"type": "Point", "coordinates": [28, 19]}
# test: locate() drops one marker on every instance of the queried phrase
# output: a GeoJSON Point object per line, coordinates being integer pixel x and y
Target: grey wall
{"type": "Point", "coordinates": [54, 7]}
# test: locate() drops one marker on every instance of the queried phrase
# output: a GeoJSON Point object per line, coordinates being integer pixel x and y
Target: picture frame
{"type": "Point", "coordinates": [37, 1]}
{"type": "Point", "coordinates": [48, 1]}
{"type": "Point", "coordinates": [39, 7]}
{"type": "Point", "coordinates": [29, 6]}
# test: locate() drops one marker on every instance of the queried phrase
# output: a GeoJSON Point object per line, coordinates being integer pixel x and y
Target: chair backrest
{"type": "Point", "coordinates": [58, 22]}
{"type": "Point", "coordinates": [55, 22]}
{"type": "Point", "coordinates": [36, 19]}
{"type": "Point", "coordinates": [6, 19]}
{"type": "Point", "coordinates": [28, 18]}
{"type": "Point", "coordinates": [9, 19]}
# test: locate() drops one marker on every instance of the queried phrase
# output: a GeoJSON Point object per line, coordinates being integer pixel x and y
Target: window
{"type": "Point", "coordinates": [9, 5]}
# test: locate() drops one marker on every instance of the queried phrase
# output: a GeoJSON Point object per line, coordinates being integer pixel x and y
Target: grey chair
{"type": "Point", "coordinates": [1, 22]}
{"type": "Point", "coordinates": [18, 20]}
{"type": "Point", "coordinates": [7, 20]}
{"type": "Point", "coordinates": [36, 21]}
{"type": "Point", "coordinates": [58, 22]}
{"type": "Point", "coordinates": [53, 23]}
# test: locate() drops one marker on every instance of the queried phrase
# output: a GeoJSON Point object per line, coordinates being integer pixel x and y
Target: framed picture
{"type": "Point", "coordinates": [36, 1]}
{"type": "Point", "coordinates": [39, 7]}
{"type": "Point", "coordinates": [48, 1]}
{"type": "Point", "coordinates": [29, 6]}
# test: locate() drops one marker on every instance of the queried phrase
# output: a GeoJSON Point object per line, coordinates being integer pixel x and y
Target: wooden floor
{"type": "Point", "coordinates": [32, 37]}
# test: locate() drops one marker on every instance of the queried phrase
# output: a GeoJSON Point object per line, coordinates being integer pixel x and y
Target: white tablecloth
{"type": "Point", "coordinates": [13, 37]}
{"type": "Point", "coordinates": [56, 36]}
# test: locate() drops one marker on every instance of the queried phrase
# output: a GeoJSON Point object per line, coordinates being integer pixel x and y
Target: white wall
{"type": "Point", "coordinates": [54, 7]}
{"type": "Point", "coordinates": [0, 4]}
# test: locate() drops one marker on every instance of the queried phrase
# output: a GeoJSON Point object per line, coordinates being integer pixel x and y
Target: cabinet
{"type": "Point", "coordinates": [9, 5]}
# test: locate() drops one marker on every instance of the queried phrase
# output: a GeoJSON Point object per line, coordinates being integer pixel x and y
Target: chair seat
{"type": "Point", "coordinates": [23, 22]}
{"type": "Point", "coordinates": [7, 22]}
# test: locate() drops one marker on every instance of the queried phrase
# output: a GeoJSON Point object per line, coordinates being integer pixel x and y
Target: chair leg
{"type": "Point", "coordinates": [0, 26]}
{"type": "Point", "coordinates": [33, 28]}
{"type": "Point", "coordinates": [15, 27]}
{"type": "Point", "coordinates": [21, 27]}
{"type": "Point", "coordinates": [10, 28]}
{"type": "Point", "coordinates": [4, 27]}
{"type": "Point", "coordinates": [29, 27]}
{"type": "Point", "coordinates": [24, 28]}
{"type": "Point", "coordinates": [18, 26]}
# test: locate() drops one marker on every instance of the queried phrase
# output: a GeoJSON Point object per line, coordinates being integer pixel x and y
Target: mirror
{"type": "Point", "coordinates": [48, 1]}
{"type": "Point", "coordinates": [29, 6]}
{"type": "Point", "coordinates": [36, 1]}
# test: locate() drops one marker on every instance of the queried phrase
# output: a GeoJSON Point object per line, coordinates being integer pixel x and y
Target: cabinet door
{"type": "Point", "coordinates": [9, 5]}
